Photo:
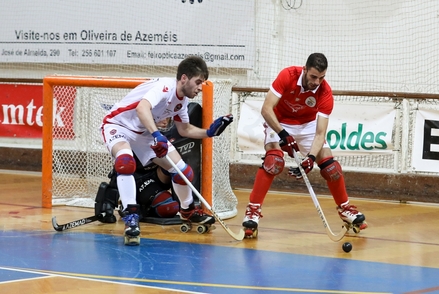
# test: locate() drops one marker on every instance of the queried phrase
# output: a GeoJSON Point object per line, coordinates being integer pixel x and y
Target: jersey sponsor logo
{"type": "Point", "coordinates": [165, 89]}
{"type": "Point", "coordinates": [75, 224]}
{"type": "Point", "coordinates": [113, 131]}
{"type": "Point", "coordinates": [118, 136]}
{"type": "Point", "coordinates": [145, 184]}
{"type": "Point", "coordinates": [186, 148]}
{"type": "Point", "coordinates": [311, 101]}
{"type": "Point", "coordinates": [294, 107]}
{"type": "Point", "coordinates": [177, 107]}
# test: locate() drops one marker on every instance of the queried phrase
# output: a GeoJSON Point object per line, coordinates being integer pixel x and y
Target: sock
{"type": "Point", "coordinates": [127, 189]}
{"type": "Point", "coordinates": [184, 194]}
{"type": "Point", "coordinates": [261, 186]}
{"type": "Point", "coordinates": [338, 191]}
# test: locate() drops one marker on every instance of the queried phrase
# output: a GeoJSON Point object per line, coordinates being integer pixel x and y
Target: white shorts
{"type": "Point", "coordinates": [140, 143]}
{"type": "Point", "coordinates": [304, 135]}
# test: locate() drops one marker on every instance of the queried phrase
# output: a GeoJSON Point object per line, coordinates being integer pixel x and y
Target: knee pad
{"type": "Point", "coordinates": [164, 205]}
{"type": "Point", "coordinates": [274, 162]}
{"type": "Point", "coordinates": [105, 202]}
{"type": "Point", "coordinates": [330, 169]}
{"type": "Point", "coordinates": [187, 171]}
{"type": "Point", "coordinates": [125, 164]}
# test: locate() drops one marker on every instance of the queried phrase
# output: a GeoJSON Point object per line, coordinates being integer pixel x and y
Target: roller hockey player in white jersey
{"type": "Point", "coordinates": [130, 126]}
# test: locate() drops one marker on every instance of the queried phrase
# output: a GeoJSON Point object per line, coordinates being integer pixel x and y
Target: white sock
{"type": "Point", "coordinates": [127, 189]}
{"type": "Point", "coordinates": [184, 193]}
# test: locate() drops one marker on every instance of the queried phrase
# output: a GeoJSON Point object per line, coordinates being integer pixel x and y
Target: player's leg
{"type": "Point", "coordinates": [117, 140]}
{"type": "Point", "coordinates": [331, 171]}
{"type": "Point", "coordinates": [153, 195]}
{"type": "Point", "coordinates": [272, 165]}
{"type": "Point", "coordinates": [106, 201]}
{"type": "Point", "coordinates": [189, 211]}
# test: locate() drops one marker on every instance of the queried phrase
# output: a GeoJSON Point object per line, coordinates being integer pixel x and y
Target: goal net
{"type": "Point", "coordinates": [75, 160]}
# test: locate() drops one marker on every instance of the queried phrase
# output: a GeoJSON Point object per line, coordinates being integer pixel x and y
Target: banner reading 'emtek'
{"type": "Point", "coordinates": [21, 114]}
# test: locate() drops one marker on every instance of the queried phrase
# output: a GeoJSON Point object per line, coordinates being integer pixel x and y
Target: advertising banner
{"type": "Point", "coordinates": [425, 148]}
{"type": "Point", "coordinates": [141, 32]}
{"type": "Point", "coordinates": [21, 113]}
{"type": "Point", "coordinates": [353, 129]}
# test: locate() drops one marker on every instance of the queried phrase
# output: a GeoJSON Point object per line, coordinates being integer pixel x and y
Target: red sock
{"type": "Point", "coordinates": [261, 186]}
{"type": "Point", "coordinates": [338, 190]}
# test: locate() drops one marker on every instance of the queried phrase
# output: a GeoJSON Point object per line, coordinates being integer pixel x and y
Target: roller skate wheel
{"type": "Point", "coordinates": [363, 225]}
{"type": "Point", "coordinates": [132, 241]}
{"type": "Point", "coordinates": [250, 233]}
{"type": "Point", "coordinates": [356, 229]}
{"type": "Point", "coordinates": [184, 228]}
{"type": "Point", "coordinates": [348, 226]}
{"type": "Point", "coordinates": [202, 229]}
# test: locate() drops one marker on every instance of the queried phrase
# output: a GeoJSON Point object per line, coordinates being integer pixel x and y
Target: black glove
{"type": "Point", "coordinates": [307, 165]}
{"type": "Point", "coordinates": [287, 143]}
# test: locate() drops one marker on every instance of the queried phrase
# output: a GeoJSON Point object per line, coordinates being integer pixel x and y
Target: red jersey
{"type": "Point", "coordinates": [296, 106]}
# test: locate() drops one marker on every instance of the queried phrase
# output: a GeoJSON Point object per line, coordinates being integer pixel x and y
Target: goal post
{"type": "Point", "coordinates": [75, 161]}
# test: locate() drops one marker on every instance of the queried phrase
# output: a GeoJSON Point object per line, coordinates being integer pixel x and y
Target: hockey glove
{"type": "Point", "coordinates": [219, 125]}
{"type": "Point", "coordinates": [307, 165]}
{"type": "Point", "coordinates": [287, 143]}
{"type": "Point", "coordinates": [160, 146]}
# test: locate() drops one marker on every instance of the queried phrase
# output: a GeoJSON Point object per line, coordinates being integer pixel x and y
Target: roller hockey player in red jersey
{"type": "Point", "coordinates": [130, 126]}
{"type": "Point", "coordinates": [296, 112]}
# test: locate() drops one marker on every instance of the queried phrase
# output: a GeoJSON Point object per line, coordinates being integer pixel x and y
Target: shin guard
{"type": "Point", "coordinates": [331, 171]}
{"type": "Point", "coordinates": [261, 186]}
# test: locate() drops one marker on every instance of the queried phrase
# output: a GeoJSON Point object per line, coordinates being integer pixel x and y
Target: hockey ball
{"type": "Point", "coordinates": [347, 247]}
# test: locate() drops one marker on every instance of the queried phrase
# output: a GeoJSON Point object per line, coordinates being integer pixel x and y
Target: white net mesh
{"type": "Point", "coordinates": [371, 45]}
{"type": "Point", "coordinates": [404, 131]}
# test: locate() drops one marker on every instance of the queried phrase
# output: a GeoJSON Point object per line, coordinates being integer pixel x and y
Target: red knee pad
{"type": "Point", "coordinates": [125, 164]}
{"type": "Point", "coordinates": [330, 169]}
{"type": "Point", "coordinates": [274, 162]}
{"type": "Point", "coordinates": [164, 205]}
{"type": "Point", "coordinates": [187, 171]}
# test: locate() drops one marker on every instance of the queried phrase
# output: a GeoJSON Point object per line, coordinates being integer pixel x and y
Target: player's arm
{"type": "Point", "coordinates": [216, 128]}
{"type": "Point", "coordinates": [320, 137]}
{"type": "Point", "coordinates": [188, 130]}
{"type": "Point", "coordinates": [144, 113]}
{"type": "Point", "coordinates": [267, 111]}
{"type": "Point", "coordinates": [287, 143]}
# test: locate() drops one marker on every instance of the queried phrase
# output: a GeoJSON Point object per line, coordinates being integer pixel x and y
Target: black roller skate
{"type": "Point", "coordinates": [353, 219]}
{"type": "Point", "coordinates": [132, 230]}
{"type": "Point", "coordinates": [251, 220]}
{"type": "Point", "coordinates": [194, 214]}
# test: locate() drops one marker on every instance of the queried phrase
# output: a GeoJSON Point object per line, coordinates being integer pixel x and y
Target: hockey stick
{"type": "Point", "coordinates": [76, 223]}
{"type": "Point", "coordinates": [238, 236]}
{"type": "Point", "coordinates": [331, 235]}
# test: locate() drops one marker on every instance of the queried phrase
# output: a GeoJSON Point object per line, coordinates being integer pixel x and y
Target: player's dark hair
{"type": "Point", "coordinates": [192, 66]}
{"type": "Point", "coordinates": [318, 61]}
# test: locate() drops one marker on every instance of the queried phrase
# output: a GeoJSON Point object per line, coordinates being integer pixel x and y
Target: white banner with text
{"type": "Point", "coordinates": [354, 129]}
{"type": "Point", "coordinates": [141, 32]}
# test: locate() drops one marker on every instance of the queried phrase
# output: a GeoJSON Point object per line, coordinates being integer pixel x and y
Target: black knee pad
{"type": "Point", "coordinates": [105, 202]}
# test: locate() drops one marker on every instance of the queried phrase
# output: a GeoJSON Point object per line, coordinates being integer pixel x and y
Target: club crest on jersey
{"type": "Point", "coordinates": [165, 89]}
{"type": "Point", "coordinates": [177, 107]}
{"type": "Point", "coordinates": [310, 101]}
{"type": "Point", "coordinates": [113, 131]}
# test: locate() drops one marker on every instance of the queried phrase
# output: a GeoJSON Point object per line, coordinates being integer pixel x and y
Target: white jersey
{"type": "Point", "coordinates": [161, 93]}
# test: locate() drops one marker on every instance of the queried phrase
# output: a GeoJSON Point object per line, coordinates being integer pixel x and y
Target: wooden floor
{"type": "Point", "coordinates": [398, 234]}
